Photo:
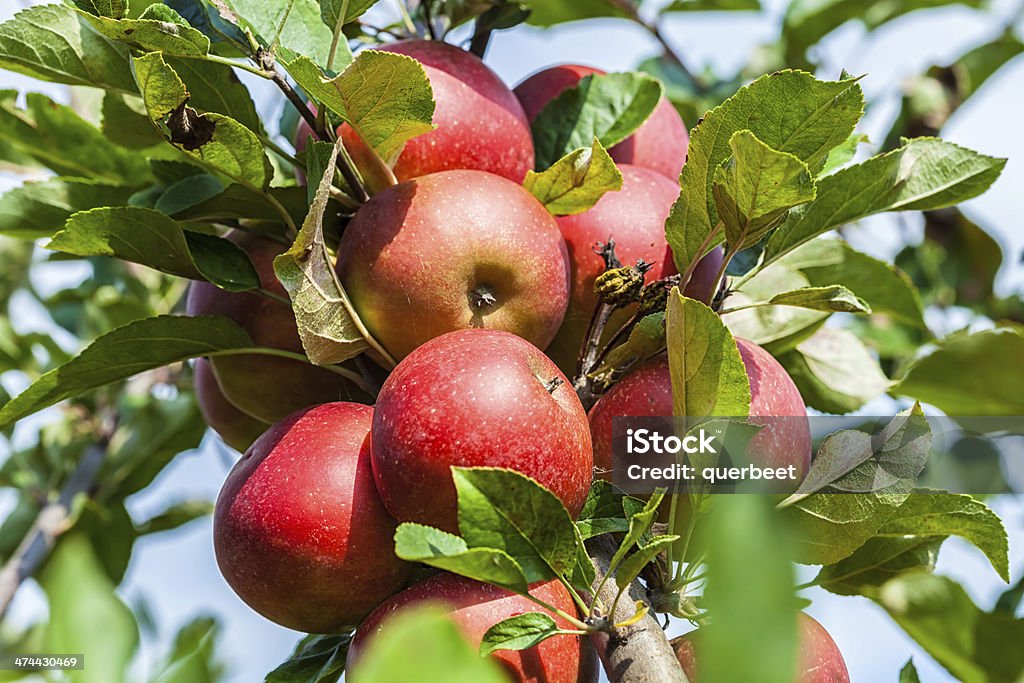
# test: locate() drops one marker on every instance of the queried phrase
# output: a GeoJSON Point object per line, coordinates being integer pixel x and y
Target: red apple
{"type": "Point", "coordinates": [266, 387]}
{"type": "Point", "coordinates": [237, 429]}
{"type": "Point", "coordinates": [635, 218]}
{"type": "Point", "coordinates": [647, 391]}
{"type": "Point", "coordinates": [474, 607]}
{"type": "Point", "coordinates": [659, 144]}
{"type": "Point", "coordinates": [820, 660]}
{"type": "Point", "coordinates": [476, 398]}
{"type": "Point", "coordinates": [299, 530]}
{"type": "Point", "coordinates": [452, 251]}
{"type": "Point", "coordinates": [480, 124]}
{"type": "Point", "coordinates": [303, 132]}
{"type": "Point", "coordinates": [703, 284]}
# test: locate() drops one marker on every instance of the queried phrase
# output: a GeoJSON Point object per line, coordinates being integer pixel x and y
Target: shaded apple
{"type": "Point", "coordinates": [635, 218]}
{"type": "Point", "coordinates": [647, 391]}
{"type": "Point", "coordinates": [451, 251]}
{"type": "Point", "coordinates": [299, 530]}
{"type": "Point", "coordinates": [479, 123]}
{"type": "Point", "coordinates": [659, 144]}
{"type": "Point", "coordinates": [476, 398]}
{"type": "Point", "coordinates": [819, 660]}
{"type": "Point", "coordinates": [474, 607]}
{"type": "Point", "coordinates": [237, 429]}
{"type": "Point", "coordinates": [703, 284]}
{"type": "Point", "coordinates": [266, 387]}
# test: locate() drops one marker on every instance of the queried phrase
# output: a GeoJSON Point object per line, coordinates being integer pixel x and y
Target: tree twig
{"type": "Point", "coordinates": [653, 27]}
{"type": "Point", "coordinates": [50, 523]}
{"type": "Point", "coordinates": [641, 653]}
{"type": "Point", "coordinates": [481, 39]}
{"type": "Point", "coordinates": [267, 63]}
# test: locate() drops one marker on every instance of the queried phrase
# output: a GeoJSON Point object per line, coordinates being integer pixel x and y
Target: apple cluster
{"type": "Point", "coordinates": [484, 298]}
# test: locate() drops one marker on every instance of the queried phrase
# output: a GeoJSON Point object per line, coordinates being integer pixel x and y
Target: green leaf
{"type": "Point", "coordinates": [790, 112]}
{"type": "Point", "coordinates": [218, 142]}
{"type": "Point", "coordinates": [237, 201]}
{"type": "Point", "coordinates": [976, 374]}
{"type": "Point", "coordinates": [712, 6]}
{"type": "Point", "coordinates": [385, 97]}
{"type": "Point", "coordinates": [115, 9]}
{"type": "Point", "coordinates": [583, 573]}
{"type": "Point", "coordinates": [39, 208]}
{"type": "Point", "coordinates": [136, 347]}
{"type": "Point", "coordinates": [646, 340]}
{"type": "Point", "coordinates": [856, 461]}
{"type": "Point", "coordinates": [856, 483]}
{"type": "Point", "coordinates": [508, 511]}
{"type": "Point", "coordinates": [152, 239]}
{"type": "Point", "coordinates": [750, 591]}
{"type": "Point", "coordinates": [808, 21]}
{"type": "Point", "coordinates": [124, 121]}
{"type": "Point", "coordinates": [644, 555]}
{"type": "Point", "coordinates": [755, 188]}
{"type": "Point", "coordinates": [188, 192]}
{"type": "Point", "coordinates": [328, 323]}
{"type": "Point", "coordinates": [175, 515]}
{"type": "Point", "coordinates": [520, 632]}
{"type": "Point", "coordinates": [215, 89]}
{"type": "Point", "coordinates": [193, 658]}
{"type": "Point", "coordinates": [74, 54]}
{"type": "Point", "coordinates": [639, 525]}
{"type": "Point", "coordinates": [956, 264]}
{"type": "Point", "coordinates": [833, 298]}
{"type": "Point", "coordinates": [441, 653]}
{"type": "Point", "coordinates": [834, 371]}
{"type": "Point", "coordinates": [908, 674]}
{"type": "Point", "coordinates": [910, 540]}
{"type": "Point", "coordinates": [303, 33]}
{"type": "Point", "coordinates": [843, 154]}
{"type": "Point", "coordinates": [330, 11]}
{"type": "Point", "coordinates": [110, 531]}
{"type": "Point", "coordinates": [924, 174]}
{"type": "Point", "coordinates": [316, 659]}
{"type": "Point", "coordinates": [151, 434]}
{"type": "Point", "coordinates": [776, 328]}
{"type": "Point", "coordinates": [708, 375]}
{"type": "Point", "coordinates": [19, 520]}
{"type": "Point", "coordinates": [608, 107]}
{"type": "Point", "coordinates": [216, 21]}
{"type": "Point", "coordinates": [604, 511]}
{"type": "Point", "coordinates": [883, 287]}
{"type": "Point", "coordinates": [576, 181]}
{"type": "Point", "coordinates": [159, 29]}
{"type": "Point", "coordinates": [1009, 602]}
{"type": "Point", "coordinates": [973, 645]}
{"type": "Point", "coordinates": [81, 595]}
{"type": "Point", "coordinates": [551, 12]}
{"type": "Point", "coordinates": [417, 543]}
{"type": "Point", "coordinates": [58, 138]}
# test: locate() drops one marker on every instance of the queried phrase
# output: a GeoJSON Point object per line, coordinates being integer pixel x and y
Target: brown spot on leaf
{"type": "Point", "coordinates": [189, 128]}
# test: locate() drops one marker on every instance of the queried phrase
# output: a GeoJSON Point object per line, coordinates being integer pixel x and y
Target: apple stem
{"type": "Point", "coordinates": [482, 297]}
{"type": "Point", "coordinates": [553, 384]}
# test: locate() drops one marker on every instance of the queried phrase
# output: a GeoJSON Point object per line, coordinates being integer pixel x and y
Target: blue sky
{"type": "Point", "coordinates": [175, 574]}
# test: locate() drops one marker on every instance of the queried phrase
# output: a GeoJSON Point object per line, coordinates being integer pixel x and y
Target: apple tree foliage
{"type": "Point", "coordinates": [163, 148]}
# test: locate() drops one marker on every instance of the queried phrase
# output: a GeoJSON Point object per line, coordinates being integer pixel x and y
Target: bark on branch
{"type": "Point", "coordinates": [51, 522]}
{"type": "Point", "coordinates": [641, 653]}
